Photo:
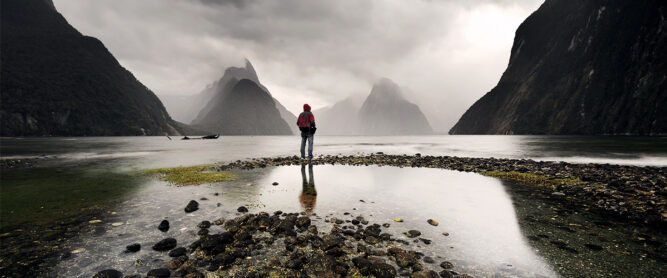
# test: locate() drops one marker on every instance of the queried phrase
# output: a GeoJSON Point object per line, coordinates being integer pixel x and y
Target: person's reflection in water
{"type": "Point", "coordinates": [308, 195]}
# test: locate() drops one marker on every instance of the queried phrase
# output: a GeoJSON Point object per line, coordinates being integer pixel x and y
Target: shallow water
{"type": "Point", "coordinates": [479, 214]}
{"type": "Point", "coordinates": [476, 211]}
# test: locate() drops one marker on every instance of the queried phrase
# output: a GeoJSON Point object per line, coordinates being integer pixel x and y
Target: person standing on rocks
{"type": "Point", "coordinates": [306, 123]}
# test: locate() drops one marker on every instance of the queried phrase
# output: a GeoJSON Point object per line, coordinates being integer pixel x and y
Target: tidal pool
{"type": "Point", "coordinates": [487, 228]}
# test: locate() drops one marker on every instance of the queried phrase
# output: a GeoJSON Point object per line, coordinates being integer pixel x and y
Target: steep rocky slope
{"type": "Point", "coordinates": [54, 81]}
{"type": "Point", "coordinates": [581, 67]}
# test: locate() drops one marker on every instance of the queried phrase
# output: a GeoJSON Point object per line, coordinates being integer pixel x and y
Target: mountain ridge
{"type": "Point", "coordinates": [57, 82]}
{"type": "Point", "coordinates": [594, 68]}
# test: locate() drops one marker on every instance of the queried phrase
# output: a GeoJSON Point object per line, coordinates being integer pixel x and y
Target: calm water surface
{"type": "Point", "coordinates": [160, 151]}
{"type": "Point", "coordinates": [489, 235]}
{"type": "Point", "coordinates": [476, 211]}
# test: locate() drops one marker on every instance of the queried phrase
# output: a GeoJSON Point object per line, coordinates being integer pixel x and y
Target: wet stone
{"type": "Point", "coordinates": [135, 247]}
{"type": "Point", "coordinates": [177, 252]}
{"type": "Point", "coordinates": [302, 222]}
{"type": "Point", "coordinates": [446, 274]}
{"type": "Point", "coordinates": [108, 273]}
{"type": "Point", "coordinates": [159, 272]}
{"type": "Point", "coordinates": [433, 222]}
{"type": "Point", "coordinates": [165, 244]}
{"type": "Point", "coordinates": [191, 206]}
{"type": "Point", "coordinates": [204, 224]}
{"type": "Point", "coordinates": [174, 264]}
{"type": "Point", "coordinates": [382, 270]}
{"type": "Point", "coordinates": [413, 233]}
{"type": "Point", "coordinates": [425, 274]}
{"type": "Point", "coordinates": [446, 265]}
{"type": "Point", "coordinates": [242, 209]}
{"type": "Point", "coordinates": [428, 260]}
{"type": "Point", "coordinates": [164, 226]}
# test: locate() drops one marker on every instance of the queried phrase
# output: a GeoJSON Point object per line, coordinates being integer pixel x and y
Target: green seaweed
{"type": "Point", "coordinates": [532, 179]}
{"type": "Point", "coordinates": [193, 175]}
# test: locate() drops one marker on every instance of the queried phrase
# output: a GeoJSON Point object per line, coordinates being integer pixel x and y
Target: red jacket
{"type": "Point", "coordinates": [306, 118]}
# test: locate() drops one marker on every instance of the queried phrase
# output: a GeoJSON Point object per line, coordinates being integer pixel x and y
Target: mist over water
{"type": "Point", "coordinates": [151, 152]}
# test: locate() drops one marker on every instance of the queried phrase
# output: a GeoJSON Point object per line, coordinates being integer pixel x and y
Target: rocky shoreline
{"type": "Point", "coordinates": [18, 163]}
{"type": "Point", "coordinates": [290, 245]}
{"type": "Point", "coordinates": [636, 194]}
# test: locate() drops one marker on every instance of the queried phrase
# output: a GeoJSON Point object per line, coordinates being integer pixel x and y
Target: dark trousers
{"type": "Point", "coordinates": [306, 136]}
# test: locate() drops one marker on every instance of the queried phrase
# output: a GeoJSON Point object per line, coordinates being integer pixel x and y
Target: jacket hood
{"type": "Point", "coordinates": [306, 108]}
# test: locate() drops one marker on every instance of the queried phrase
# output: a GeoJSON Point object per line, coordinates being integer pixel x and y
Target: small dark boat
{"type": "Point", "coordinates": [216, 136]}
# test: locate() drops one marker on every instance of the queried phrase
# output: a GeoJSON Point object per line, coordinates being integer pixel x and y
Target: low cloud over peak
{"type": "Point", "coordinates": [448, 53]}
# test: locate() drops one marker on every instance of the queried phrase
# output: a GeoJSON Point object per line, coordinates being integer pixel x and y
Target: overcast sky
{"type": "Point", "coordinates": [446, 53]}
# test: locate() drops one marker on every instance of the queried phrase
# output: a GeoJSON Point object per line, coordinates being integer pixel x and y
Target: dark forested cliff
{"type": "Point", "coordinates": [581, 67]}
{"type": "Point", "coordinates": [56, 81]}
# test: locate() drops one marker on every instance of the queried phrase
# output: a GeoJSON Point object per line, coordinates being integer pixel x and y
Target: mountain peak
{"type": "Point", "coordinates": [387, 112]}
{"type": "Point", "coordinates": [386, 88]}
{"type": "Point", "coordinates": [238, 73]}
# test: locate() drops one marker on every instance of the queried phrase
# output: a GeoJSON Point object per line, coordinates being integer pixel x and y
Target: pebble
{"type": "Point", "coordinates": [191, 206]}
{"type": "Point", "coordinates": [164, 226]}
{"type": "Point", "coordinates": [433, 222]}
{"type": "Point", "coordinates": [108, 273]}
{"type": "Point", "coordinates": [398, 219]}
{"type": "Point", "coordinates": [413, 233]}
{"type": "Point", "coordinates": [135, 247]}
{"type": "Point", "coordinates": [446, 265]}
{"type": "Point", "coordinates": [165, 244]}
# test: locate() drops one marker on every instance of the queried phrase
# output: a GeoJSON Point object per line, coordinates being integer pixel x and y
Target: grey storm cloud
{"type": "Point", "coordinates": [446, 54]}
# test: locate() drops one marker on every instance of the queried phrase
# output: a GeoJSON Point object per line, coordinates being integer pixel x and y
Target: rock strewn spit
{"type": "Point", "coordinates": [288, 245]}
{"type": "Point", "coordinates": [630, 192]}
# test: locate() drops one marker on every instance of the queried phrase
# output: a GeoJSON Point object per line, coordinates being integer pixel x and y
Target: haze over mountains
{"type": "Point", "coordinates": [56, 81]}
{"type": "Point", "coordinates": [385, 111]}
{"type": "Point", "coordinates": [226, 107]}
{"type": "Point", "coordinates": [581, 67]}
{"type": "Point", "coordinates": [237, 104]}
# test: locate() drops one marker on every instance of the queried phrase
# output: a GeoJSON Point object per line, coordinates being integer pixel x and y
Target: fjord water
{"type": "Point", "coordinates": [146, 152]}
{"type": "Point", "coordinates": [485, 219]}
